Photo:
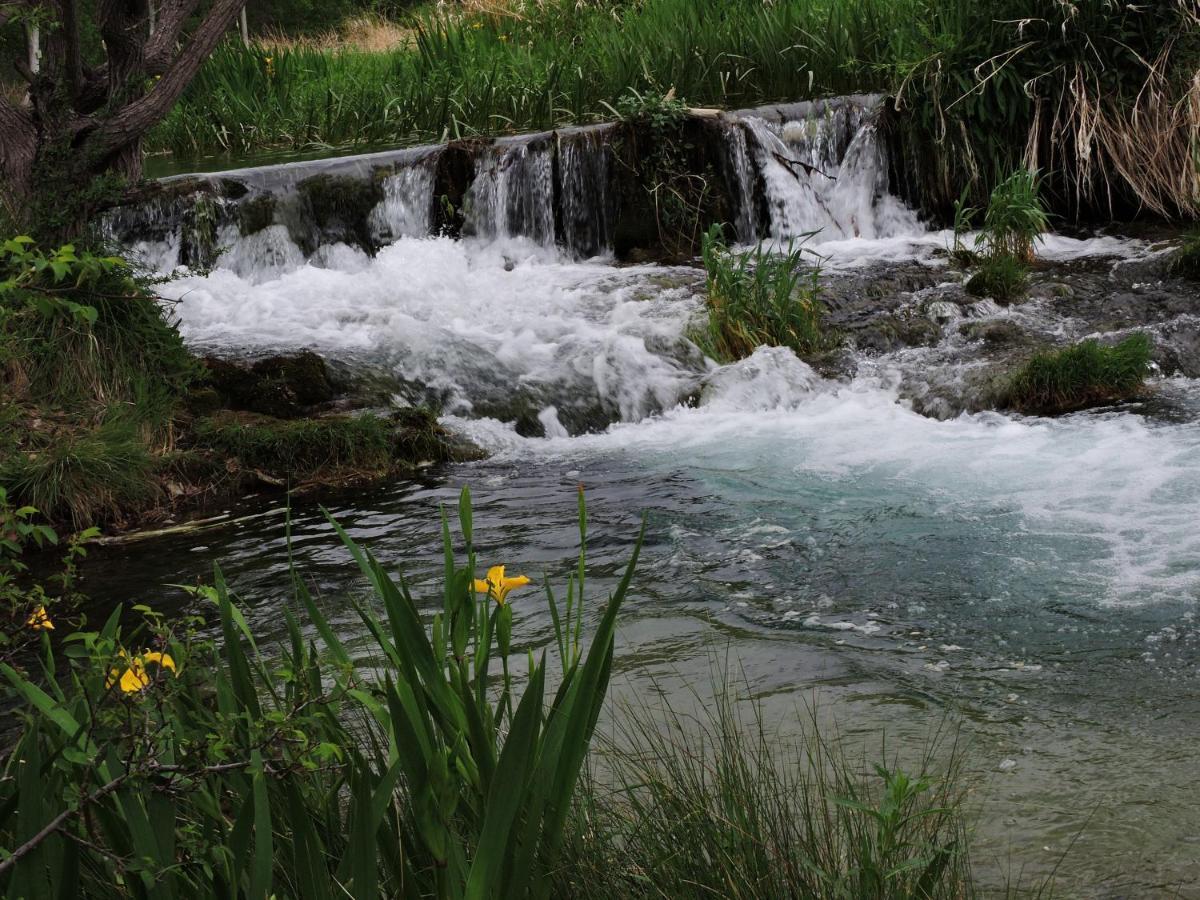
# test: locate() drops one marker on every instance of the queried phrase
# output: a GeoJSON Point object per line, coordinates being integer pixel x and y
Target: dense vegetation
{"type": "Point", "coordinates": [1093, 93]}
{"type": "Point", "coordinates": [152, 762]}
{"type": "Point", "coordinates": [105, 416]}
{"type": "Point", "coordinates": [1084, 374]}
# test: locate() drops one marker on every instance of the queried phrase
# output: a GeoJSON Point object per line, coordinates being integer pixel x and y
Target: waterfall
{"type": "Point", "coordinates": [743, 177]}
{"type": "Point", "coordinates": [816, 168]}
{"type": "Point", "coordinates": [585, 203]}
{"type": "Point", "coordinates": [406, 209]}
{"type": "Point", "coordinates": [825, 172]}
{"type": "Point", "coordinates": [513, 191]}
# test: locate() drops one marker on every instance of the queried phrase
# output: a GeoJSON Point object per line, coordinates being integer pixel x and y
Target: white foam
{"type": "Point", "coordinates": [463, 316]}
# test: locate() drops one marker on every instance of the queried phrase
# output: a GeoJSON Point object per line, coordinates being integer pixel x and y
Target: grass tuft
{"type": "Point", "coordinates": [716, 805]}
{"type": "Point", "coordinates": [1003, 278]}
{"type": "Point", "coordinates": [759, 298]}
{"type": "Point", "coordinates": [1086, 374]}
{"type": "Point", "coordinates": [1185, 262]}
{"type": "Point", "coordinates": [302, 447]}
{"type": "Point", "coordinates": [84, 476]}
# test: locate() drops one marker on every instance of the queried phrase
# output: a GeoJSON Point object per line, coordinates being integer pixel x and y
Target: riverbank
{"type": "Point", "coordinates": [108, 420]}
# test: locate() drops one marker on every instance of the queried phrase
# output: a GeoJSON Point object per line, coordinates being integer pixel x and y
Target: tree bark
{"type": "Point", "coordinates": [84, 122]}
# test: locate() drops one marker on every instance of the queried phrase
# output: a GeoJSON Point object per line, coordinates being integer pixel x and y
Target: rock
{"type": "Point", "coordinates": [257, 214]}
{"type": "Point", "coordinates": [996, 333]}
{"type": "Point", "coordinates": [339, 208]}
{"type": "Point", "coordinates": [285, 387]}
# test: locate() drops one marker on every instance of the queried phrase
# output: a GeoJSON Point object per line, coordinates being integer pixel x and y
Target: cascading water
{"type": "Point", "coordinates": [814, 167]}
{"type": "Point", "coordinates": [585, 204]}
{"type": "Point", "coordinates": [513, 191]}
{"type": "Point", "coordinates": [824, 172]}
{"type": "Point", "coordinates": [1041, 574]}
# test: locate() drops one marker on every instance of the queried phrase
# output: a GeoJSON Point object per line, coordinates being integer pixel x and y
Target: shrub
{"type": "Point", "coordinates": [1082, 375]}
{"type": "Point", "coordinates": [759, 298]}
{"type": "Point", "coordinates": [78, 330]}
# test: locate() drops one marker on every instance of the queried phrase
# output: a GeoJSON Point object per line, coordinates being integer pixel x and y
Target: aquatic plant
{"type": "Point", "coordinates": [759, 298]}
{"type": "Point", "coordinates": [1014, 221]}
{"type": "Point", "coordinates": [1082, 375]}
{"type": "Point", "coordinates": [1015, 218]}
{"type": "Point", "coordinates": [413, 772]}
{"type": "Point", "coordinates": [703, 798]}
{"type": "Point", "coordinates": [148, 760]}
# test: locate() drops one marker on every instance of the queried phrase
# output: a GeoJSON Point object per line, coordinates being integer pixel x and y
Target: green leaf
{"type": "Point", "coordinates": [264, 851]}
{"type": "Point", "coordinates": [508, 789]}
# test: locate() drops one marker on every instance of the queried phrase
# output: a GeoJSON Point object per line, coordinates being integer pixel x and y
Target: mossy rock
{"type": "Point", "coordinates": [1002, 278]}
{"type": "Point", "coordinates": [256, 214]}
{"type": "Point", "coordinates": [453, 175]}
{"type": "Point", "coordinates": [997, 334]}
{"type": "Point", "coordinates": [670, 185]}
{"type": "Point", "coordinates": [340, 207]}
{"type": "Point", "coordinates": [284, 387]}
{"type": "Point", "coordinates": [328, 448]}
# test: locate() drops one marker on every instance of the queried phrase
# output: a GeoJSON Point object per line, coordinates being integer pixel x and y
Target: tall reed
{"type": "Point", "coordinates": [1101, 96]}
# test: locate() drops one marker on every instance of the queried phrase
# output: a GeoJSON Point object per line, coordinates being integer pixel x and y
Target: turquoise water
{"type": "Point", "coordinates": [1033, 582]}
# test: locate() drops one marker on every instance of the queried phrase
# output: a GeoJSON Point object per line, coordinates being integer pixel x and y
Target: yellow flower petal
{"type": "Point", "coordinates": [162, 659]}
{"type": "Point", "coordinates": [497, 586]}
{"type": "Point", "coordinates": [134, 679]}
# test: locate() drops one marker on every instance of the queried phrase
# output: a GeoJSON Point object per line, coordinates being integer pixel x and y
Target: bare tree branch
{"type": "Point", "coordinates": [160, 49]}
{"type": "Point", "coordinates": [143, 113]}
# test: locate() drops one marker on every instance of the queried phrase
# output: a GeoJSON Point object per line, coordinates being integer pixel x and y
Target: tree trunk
{"type": "Point", "coordinates": [82, 123]}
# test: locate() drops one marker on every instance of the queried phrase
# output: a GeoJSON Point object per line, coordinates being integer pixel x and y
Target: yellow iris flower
{"type": "Point", "coordinates": [39, 621]}
{"type": "Point", "coordinates": [497, 586]}
{"type": "Point", "coordinates": [135, 678]}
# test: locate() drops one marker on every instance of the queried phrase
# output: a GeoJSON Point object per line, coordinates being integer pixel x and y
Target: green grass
{"type": "Point", "coordinates": [93, 374]}
{"type": "Point", "coordinates": [718, 804]}
{"type": "Point", "coordinates": [1003, 278]}
{"type": "Point", "coordinates": [759, 298]}
{"type": "Point", "coordinates": [301, 447]}
{"type": "Point", "coordinates": [84, 476]}
{"type": "Point", "coordinates": [1079, 376]}
{"type": "Point", "coordinates": [1185, 262]}
{"type": "Point", "coordinates": [1015, 217]}
{"type": "Point", "coordinates": [962, 69]}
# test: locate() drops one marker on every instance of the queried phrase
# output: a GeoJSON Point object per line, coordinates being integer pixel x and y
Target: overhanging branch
{"type": "Point", "coordinates": [137, 117]}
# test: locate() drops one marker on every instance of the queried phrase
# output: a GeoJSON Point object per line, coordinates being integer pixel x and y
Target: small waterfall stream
{"type": "Point", "coordinates": [816, 168]}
